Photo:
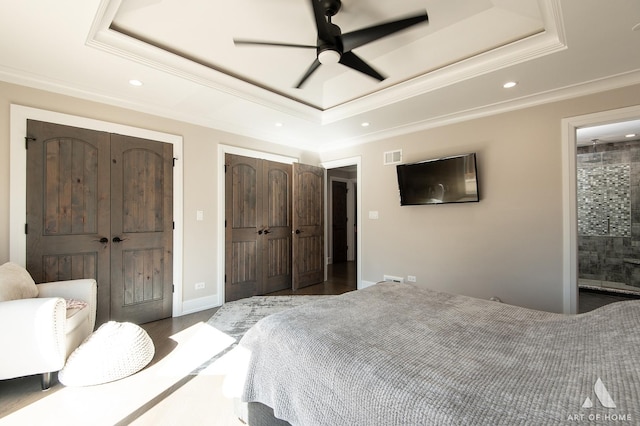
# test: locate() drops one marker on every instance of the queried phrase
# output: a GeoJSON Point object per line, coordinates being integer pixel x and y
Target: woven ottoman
{"type": "Point", "coordinates": [114, 351]}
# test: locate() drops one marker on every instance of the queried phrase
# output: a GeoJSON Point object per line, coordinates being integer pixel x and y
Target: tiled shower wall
{"type": "Point", "coordinates": [609, 212]}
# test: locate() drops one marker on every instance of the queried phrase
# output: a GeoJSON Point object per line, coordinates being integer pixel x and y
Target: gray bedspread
{"type": "Point", "coordinates": [397, 354]}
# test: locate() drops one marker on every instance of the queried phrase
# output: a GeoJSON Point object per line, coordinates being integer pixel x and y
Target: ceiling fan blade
{"type": "Point", "coordinates": [363, 36]}
{"type": "Point", "coordinates": [352, 60]}
{"type": "Point", "coordinates": [238, 41]}
{"type": "Point", "coordinates": [314, 66]}
{"type": "Point", "coordinates": [321, 21]}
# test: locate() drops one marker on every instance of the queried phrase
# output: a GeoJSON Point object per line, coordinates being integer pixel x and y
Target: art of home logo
{"type": "Point", "coordinates": [603, 398]}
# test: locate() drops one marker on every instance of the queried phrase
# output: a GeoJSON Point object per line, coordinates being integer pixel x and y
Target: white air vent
{"type": "Point", "coordinates": [392, 157]}
{"type": "Point", "coordinates": [393, 279]}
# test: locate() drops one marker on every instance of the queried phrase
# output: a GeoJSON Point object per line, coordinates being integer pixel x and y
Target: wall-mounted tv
{"type": "Point", "coordinates": [439, 181]}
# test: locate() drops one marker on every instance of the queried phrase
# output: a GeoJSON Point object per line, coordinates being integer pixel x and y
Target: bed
{"type": "Point", "coordinates": [398, 354]}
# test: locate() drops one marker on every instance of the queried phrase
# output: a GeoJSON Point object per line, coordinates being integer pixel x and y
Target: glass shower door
{"type": "Point", "coordinates": [607, 256]}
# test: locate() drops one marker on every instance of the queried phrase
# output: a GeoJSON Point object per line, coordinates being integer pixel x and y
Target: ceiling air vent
{"type": "Point", "coordinates": [392, 157]}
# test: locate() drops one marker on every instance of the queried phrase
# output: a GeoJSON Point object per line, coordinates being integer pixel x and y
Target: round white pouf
{"type": "Point", "coordinates": [114, 351]}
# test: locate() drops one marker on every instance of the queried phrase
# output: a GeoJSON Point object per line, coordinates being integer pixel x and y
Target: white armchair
{"type": "Point", "coordinates": [39, 333]}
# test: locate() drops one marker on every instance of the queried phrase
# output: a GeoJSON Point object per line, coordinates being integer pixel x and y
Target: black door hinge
{"type": "Point", "coordinates": [173, 288]}
{"type": "Point", "coordinates": [27, 139]}
{"type": "Point", "coordinates": [174, 159]}
{"type": "Point", "coordinates": [173, 225]}
{"type": "Point", "coordinates": [225, 278]}
{"type": "Point", "coordinates": [26, 228]}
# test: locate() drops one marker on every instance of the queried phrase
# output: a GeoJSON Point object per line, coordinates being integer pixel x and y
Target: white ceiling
{"type": "Point", "coordinates": [447, 70]}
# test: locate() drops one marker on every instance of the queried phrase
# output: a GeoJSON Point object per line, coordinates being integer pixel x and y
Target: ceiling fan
{"type": "Point", "coordinates": [334, 47]}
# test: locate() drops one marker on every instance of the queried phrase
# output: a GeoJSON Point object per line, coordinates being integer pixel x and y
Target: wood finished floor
{"type": "Point", "coordinates": [153, 396]}
{"type": "Point", "coordinates": [593, 299]}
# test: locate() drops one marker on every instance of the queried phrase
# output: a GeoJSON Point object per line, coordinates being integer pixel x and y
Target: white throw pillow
{"type": "Point", "coordinates": [16, 283]}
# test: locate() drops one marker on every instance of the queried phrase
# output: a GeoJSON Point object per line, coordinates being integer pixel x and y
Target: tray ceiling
{"type": "Point", "coordinates": [446, 71]}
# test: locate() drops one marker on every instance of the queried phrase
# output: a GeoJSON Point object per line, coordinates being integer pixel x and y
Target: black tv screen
{"type": "Point", "coordinates": [439, 181]}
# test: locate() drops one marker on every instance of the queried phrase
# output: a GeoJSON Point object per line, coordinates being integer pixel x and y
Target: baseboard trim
{"type": "Point", "coordinates": [200, 304]}
{"type": "Point", "coordinates": [365, 284]}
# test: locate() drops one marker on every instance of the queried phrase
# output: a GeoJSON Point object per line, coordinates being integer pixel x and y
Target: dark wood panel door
{"type": "Point", "coordinates": [243, 269]}
{"type": "Point", "coordinates": [276, 232]}
{"type": "Point", "coordinates": [68, 206]}
{"type": "Point", "coordinates": [258, 227]}
{"type": "Point", "coordinates": [339, 221]}
{"type": "Point", "coordinates": [308, 225]}
{"type": "Point", "coordinates": [141, 229]}
{"type": "Point", "coordinates": [85, 189]}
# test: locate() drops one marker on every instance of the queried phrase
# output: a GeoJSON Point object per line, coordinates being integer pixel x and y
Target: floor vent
{"type": "Point", "coordinates": [392, 157]}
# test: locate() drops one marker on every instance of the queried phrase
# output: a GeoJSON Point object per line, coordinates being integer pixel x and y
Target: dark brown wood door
{"type": "Point", "coordinates": [258, 227]}
{"type": "Point", "coordinates": [243, 270]}
{"type": "Point", "coordinates": [308, 225]}
{"type": "Point", "coordinates": [339, 221]}
{"type": "Point", "coordinates": [68, 206]}
{"type": "Point", "coordinates": [276, 216]}
{"type": "Point", "coordinates": [141, 229]}
{"type": "Point", "coordinates": [70, 214]}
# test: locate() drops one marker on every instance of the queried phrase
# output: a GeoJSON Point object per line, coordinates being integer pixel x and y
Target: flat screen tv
{"type": "Point", "coordinates": [439, 181]}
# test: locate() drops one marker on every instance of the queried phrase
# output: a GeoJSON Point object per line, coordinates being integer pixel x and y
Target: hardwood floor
{"type": "Point", "coordinates": [164, 393]}
{"type": "Point", "coordinates": [341, 278]}
{"type": "Point", "coordinates": [593, 299]}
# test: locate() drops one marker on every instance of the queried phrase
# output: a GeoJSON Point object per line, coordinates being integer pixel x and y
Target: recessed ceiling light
{"type": "Point", "coordinates": [510, 84]}
{"type": "Point", "coordinates": [365, 124]}
{"type": "Point", "coordinates": [630, 135]}
{"type": "Point", "coordinates": [136, 83]}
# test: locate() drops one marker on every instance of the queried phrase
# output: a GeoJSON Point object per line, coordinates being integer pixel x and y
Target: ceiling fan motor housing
{"type": "Point", "coordinates": [331, 7]}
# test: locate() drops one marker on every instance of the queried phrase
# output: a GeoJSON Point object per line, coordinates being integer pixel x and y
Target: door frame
{"type": "Point", "coordinates": [222, 151]}
{"type": "Point", "coordinates": [569, 126]}
{"type": "Point", "coordinates": [18, 174]}
{"type": "Point", "coordinates": [352, 161]}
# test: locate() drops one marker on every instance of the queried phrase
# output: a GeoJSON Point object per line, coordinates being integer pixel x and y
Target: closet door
{"type": "Point", "coordinates": [275, 248]}
{"type": "Point", "coordinates": [308, 225]}
{"type": "Point", "coordinates": [100, 206]}
{"type": "Point", "coordinates": [258, 227]}
{"type": "Point", "coordinates": [243, 268]}
{"type": "Point", "coordinates": [68, 206]}
{"type": "Point", "coordinates": [141, 229]}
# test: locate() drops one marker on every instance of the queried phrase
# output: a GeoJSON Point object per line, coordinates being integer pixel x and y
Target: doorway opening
{"type": "Point", "coordinates": [343, 218]}
{"type": "Point", "coordinates": [600, 193]}
{"type": "Point", "coordinates": [342, 226]}
{"type": "Point", "coordinates": [608, 204]}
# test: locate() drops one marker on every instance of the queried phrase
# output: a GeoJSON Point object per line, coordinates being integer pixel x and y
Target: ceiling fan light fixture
{"type": "Point", "coordinates": [329, 56]}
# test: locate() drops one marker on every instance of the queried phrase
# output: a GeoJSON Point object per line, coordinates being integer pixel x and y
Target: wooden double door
{"type": "Point", "coordinates": [100, 206]}
{"type": "Point", "coordinates": [274, 222]}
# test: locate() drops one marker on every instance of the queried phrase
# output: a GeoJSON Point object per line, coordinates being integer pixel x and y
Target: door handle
{"type": "Point", "coordinates": [260, 232]}
{"type": "Point", "coordinates": [104, 240]}
{"type": "Point", "coordinates": [117, 240]}
{"type": "Point", "coordinates": [298, 231]}
{"type": "Point", "coordinates": [266, 231]}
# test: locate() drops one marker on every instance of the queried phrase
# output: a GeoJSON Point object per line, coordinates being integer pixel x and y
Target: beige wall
{"type": "Point", "coordinates": [200, 152]}
{"type": "Point", "coordinates": [510, 243]}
